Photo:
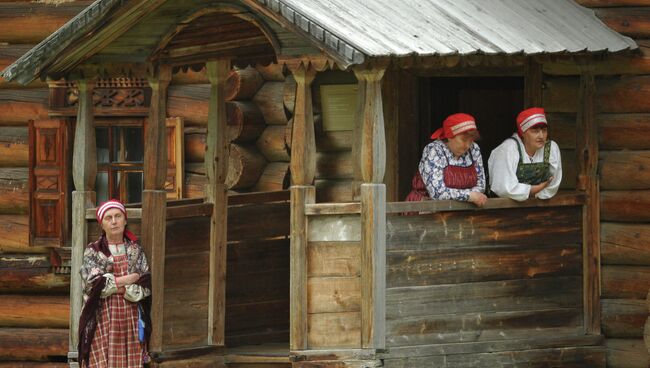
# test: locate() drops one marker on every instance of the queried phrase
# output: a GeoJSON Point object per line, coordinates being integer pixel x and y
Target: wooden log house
{"type": "Point", "coordinates": [332, 273]}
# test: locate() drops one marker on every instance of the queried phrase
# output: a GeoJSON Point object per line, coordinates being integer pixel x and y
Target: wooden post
{"type": "Point", "coordinates": [154, 197]}
{"type": "Point", "coordinates": [303, 168]}
{"type": "Point", "coordinates": [373, 211]}
{"type": "Point", "coordinates": [532, 83]}
{"type": "Point", "coordinates": [216, 169]}
{"type": "Point", "coordinates": [84, 172]}
{"type": "Point", "coordinates": [587, 166]}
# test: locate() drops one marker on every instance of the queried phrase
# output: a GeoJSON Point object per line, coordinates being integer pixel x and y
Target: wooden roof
{"type": "Point", "coordinates": [347, 31]}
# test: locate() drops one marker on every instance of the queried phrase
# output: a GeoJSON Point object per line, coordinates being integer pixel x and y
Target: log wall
{"type": "Point", "coordinates": [34, 308]}
{"type": "Point", "coordinates": [623, 117]}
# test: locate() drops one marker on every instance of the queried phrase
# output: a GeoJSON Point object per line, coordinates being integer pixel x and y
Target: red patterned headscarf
{"type": "Point", "coordinates": [454, 125]}
{"type": "Point", "coordinates": [113, 203]}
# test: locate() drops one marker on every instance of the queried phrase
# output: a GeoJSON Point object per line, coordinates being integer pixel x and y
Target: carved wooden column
{"type": "Point", "coordinates": [216, 169]}
{"type": "Point", "coordinates": [372, 157]}
{"type": "Point", "coordinates": [84, 173]}
{"type": "Point", "coordinates": [154, 196]}
{"type": "Point", "coordinates": [588, 181]}
{"type": "Point", "coordinates": [303, 168]}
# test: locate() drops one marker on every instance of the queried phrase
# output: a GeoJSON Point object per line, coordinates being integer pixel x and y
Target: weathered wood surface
{"type": "Point", "coordinates": [194, 185]}
{"type": "Point", "coordinates": [242, 84]}
{"type": "Point", "coordinates": [625, 244]}
{"type": "Point", "coordinates": [274, 177]}
{"type": "Point", "coordinates": [33, 280]}
{"type": "Point", "coordinates": [272, 144]}
{"type": "Point", "coordinates": [334, 165]}
{"type": "Point", "coordinates": [333, 259]}
{"type": "Point", "coordinates": [245, 165]}
{"type": "Point", "coordinates": [625, 206]}
{"type": "Point", "coordinates": [35, 21]}
{"type": "Point", "coordinates": [265, 220]}
{"type": "Point", "coordinates": [269, 98]}
{"type": "Point", "coordinates": [566, 357]}
{"type": "Point", "coordinates": [14, 235]}
{"type": "Point", "coordinates": [272, 72]}
{"type": "Point", "coordinates": [333, 191]}
{"type": "Point", "coordinates": [14, 147]}
{"type": "Point", "coordinates": [625, 282]}
{"type": "Point", "coordinates": [634, 166]}
{"type": "Point", "coordinates": [334, 330]}
{"type": "Point", "coordinates": [301, 195]}
{"type": "Point", "coordinates": [289, 93]}
{"type": "Point", "coordinates": [613, 64]}
{"type": "Point", "coordinates": [624, 131]}
{"type": "Point", "coordinates": [34, 311]}
{"type": "Point", "coordinates": [33, 343]}
{"type": "Point", "coordinates": [624, 318]}
{"type": "Point", "coordinates": [630, 21]}
{"type": "Point", "coordinates": [613, 94]}
{"type": "Point", "coordinates": [17, 107]}
{"type": "Point", "coordinates": [610, 3]}
{"type": "Point", "coordinates": [626, 353]}
{"type": "Point", "coordinates": [245, 121]}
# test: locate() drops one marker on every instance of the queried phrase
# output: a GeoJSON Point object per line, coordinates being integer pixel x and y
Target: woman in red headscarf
{"type": "Point", "coordinates": [114, 327]}
{"type": "Point", "coordinates": [451, 166]}
{"type": "Point", "coordinates": [528, 163]}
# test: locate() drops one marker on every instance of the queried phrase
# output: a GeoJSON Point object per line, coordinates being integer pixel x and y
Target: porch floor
{"type": "Point", "coordinates": [270, 355]}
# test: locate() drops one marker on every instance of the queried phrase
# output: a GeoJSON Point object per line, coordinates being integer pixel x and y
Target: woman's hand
{"type": "Point", "coordinates": [478, 198]}
{"type": "Point", "coordinates": [129, 279]}
{"type": "Point", "coordinates": [534, 189]}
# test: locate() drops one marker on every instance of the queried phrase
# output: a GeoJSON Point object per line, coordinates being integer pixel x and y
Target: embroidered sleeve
{"type": "Point", "coordinates": [431, 168]}
{"type": "Point", "coordinates": [111, 287]}
{"type": "Point", "coordinates": [555, 161]}
{"type": "Point", "coordinates": [94, 265]}
{"type": "Point", "coordinates": [135, 293]}
{"type": "Point", "coordinates": [502, 164]}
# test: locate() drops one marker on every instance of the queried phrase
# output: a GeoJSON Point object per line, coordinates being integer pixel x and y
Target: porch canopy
{"type": "Point", "coordinates": [349, 32]}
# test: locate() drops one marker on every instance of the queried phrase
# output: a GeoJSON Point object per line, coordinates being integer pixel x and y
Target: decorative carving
{"type": "Point", "coordinates": [113, 96]}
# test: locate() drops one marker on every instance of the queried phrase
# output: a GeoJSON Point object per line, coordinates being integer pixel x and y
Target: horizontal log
{"type": "Point", "coordinates": [195, 144]}
{"type": "Point", "coordinates": [625, 282]}
{"type": "Point", "coordinates": [242, 84]}
{"type": "Point", "coordinates": [610, 3]}
{"type": "Point", "coordinates": [272, 72]}
{"type": "Point", "coordinates": [623, 131]}
{"type": "Point", "coordinates": [421, 268]}
{"type": "Point", "coordinates": [33, 281]}
{"type": "Point", "coordinates": [625, 206]}
{"type": "Point", "coordinates": [269, 98]}
{"type": "Point", "coordinates": [245, 121]}
{"type": "Point", "coordinates": [18, 106]}
{"type": "Point", "coordinates": [626, 353]}
{"type": "Point", "coordinates": [191, 102]}
{"type": "Point", "coordinates": [630, 21]}
{"type": "Point", "coordinates": [562, 129]}
{"type": "Point", "coordinates": [625, 244]}
{"type": "Point", "coordinates": [14, 191]}
{"type": "Point", "coordinates": [634, 166]}
{"type": "Point", "coordinates": [245, 165]}
{"type": "Point", "coordinates": [289, 94]}
{"type": "Point", "coordinates": [35, 311]}
{"type": "Point", "coordinates": [194, 185]}
{"type": "Point", "coordinates": [9, 261]}
{"type": "Point", "coordinates": [616, 94]}
{"type": "Point", "coordinates": [14, 147]}
{"type": "Point", "coordinates": [334, 165]}
{"type": "Point", "coordinates": [14, 234]}
{"type": "Point", "coordinates": [470, 327]}
{"type": "Point", "coordinates": [33, 343]}
{"type": "Point", "coordinates": [274, 177]}
{"type": "Point", "coordinates": [484, 297]}
{"type": "Point", "coordinates": [35, 21]}
{"type": "Point", "coordinates": [612, 64]}
{"type": "Point", "coordinates": [271, 144]}
{"type": "Point", "coordinates": [623, 318]}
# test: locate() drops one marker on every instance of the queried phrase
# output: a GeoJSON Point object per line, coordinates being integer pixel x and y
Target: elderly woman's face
{"type": "Point", "coordinates": [114, 223]}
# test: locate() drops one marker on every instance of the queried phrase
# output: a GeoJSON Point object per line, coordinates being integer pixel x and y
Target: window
{"type": "Point", "coordinates": [120, 157]}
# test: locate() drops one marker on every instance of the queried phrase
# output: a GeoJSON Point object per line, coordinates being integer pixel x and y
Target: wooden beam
{"type": "Point", "coordinates": [154, 197]}
{"type": "Point", "coordinates": [298, 330]}
{"type": "Point", "coordinates": [587, 181]}
{"type": "Point", "coordinates": [303, 141]}
{"type": "Point", "coordinates": [216, 170]}
{"type": "Point", "coordinates": [371, 115]}
{"type": "Point", "coordinates": [532, 83]}
{"type": "Point", "coordinates": [84, 172]}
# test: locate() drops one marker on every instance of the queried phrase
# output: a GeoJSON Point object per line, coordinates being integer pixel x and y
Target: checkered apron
{"type": "Point", "coordinates": [116, 344]}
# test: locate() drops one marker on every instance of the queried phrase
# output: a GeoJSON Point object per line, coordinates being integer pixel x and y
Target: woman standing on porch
{"type": "Point", "coordinates": [451, 166]}
{"type": "Point", "coordinates": [117, 284]}
{"type": "Point", "coordinates": [528, 163]}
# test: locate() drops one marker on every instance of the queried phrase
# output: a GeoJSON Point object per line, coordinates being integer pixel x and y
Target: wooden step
{"type": "Point", "coordinates": [258, 356]}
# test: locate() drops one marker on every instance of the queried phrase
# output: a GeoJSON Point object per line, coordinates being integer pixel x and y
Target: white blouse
{"type": "Point", "coordinates": [502, 166]}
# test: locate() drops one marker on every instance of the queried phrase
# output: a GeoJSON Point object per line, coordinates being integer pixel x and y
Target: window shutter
{"type": "Point", "coordinates": [48, 182]}
{"type": "Point", "coordinates": [175, 154]}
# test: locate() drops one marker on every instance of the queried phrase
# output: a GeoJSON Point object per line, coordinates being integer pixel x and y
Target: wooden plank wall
{"type": "Point", "coordinates": [334, 282]}
{"type": "Point", "coordinates": [484, 276]}
{"type": "Point", "coordinates": [623, 116]}
{"type": "Point", "coordinates": [34, 299]}
{"type": "Point", "coordinates": [257, 274]}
